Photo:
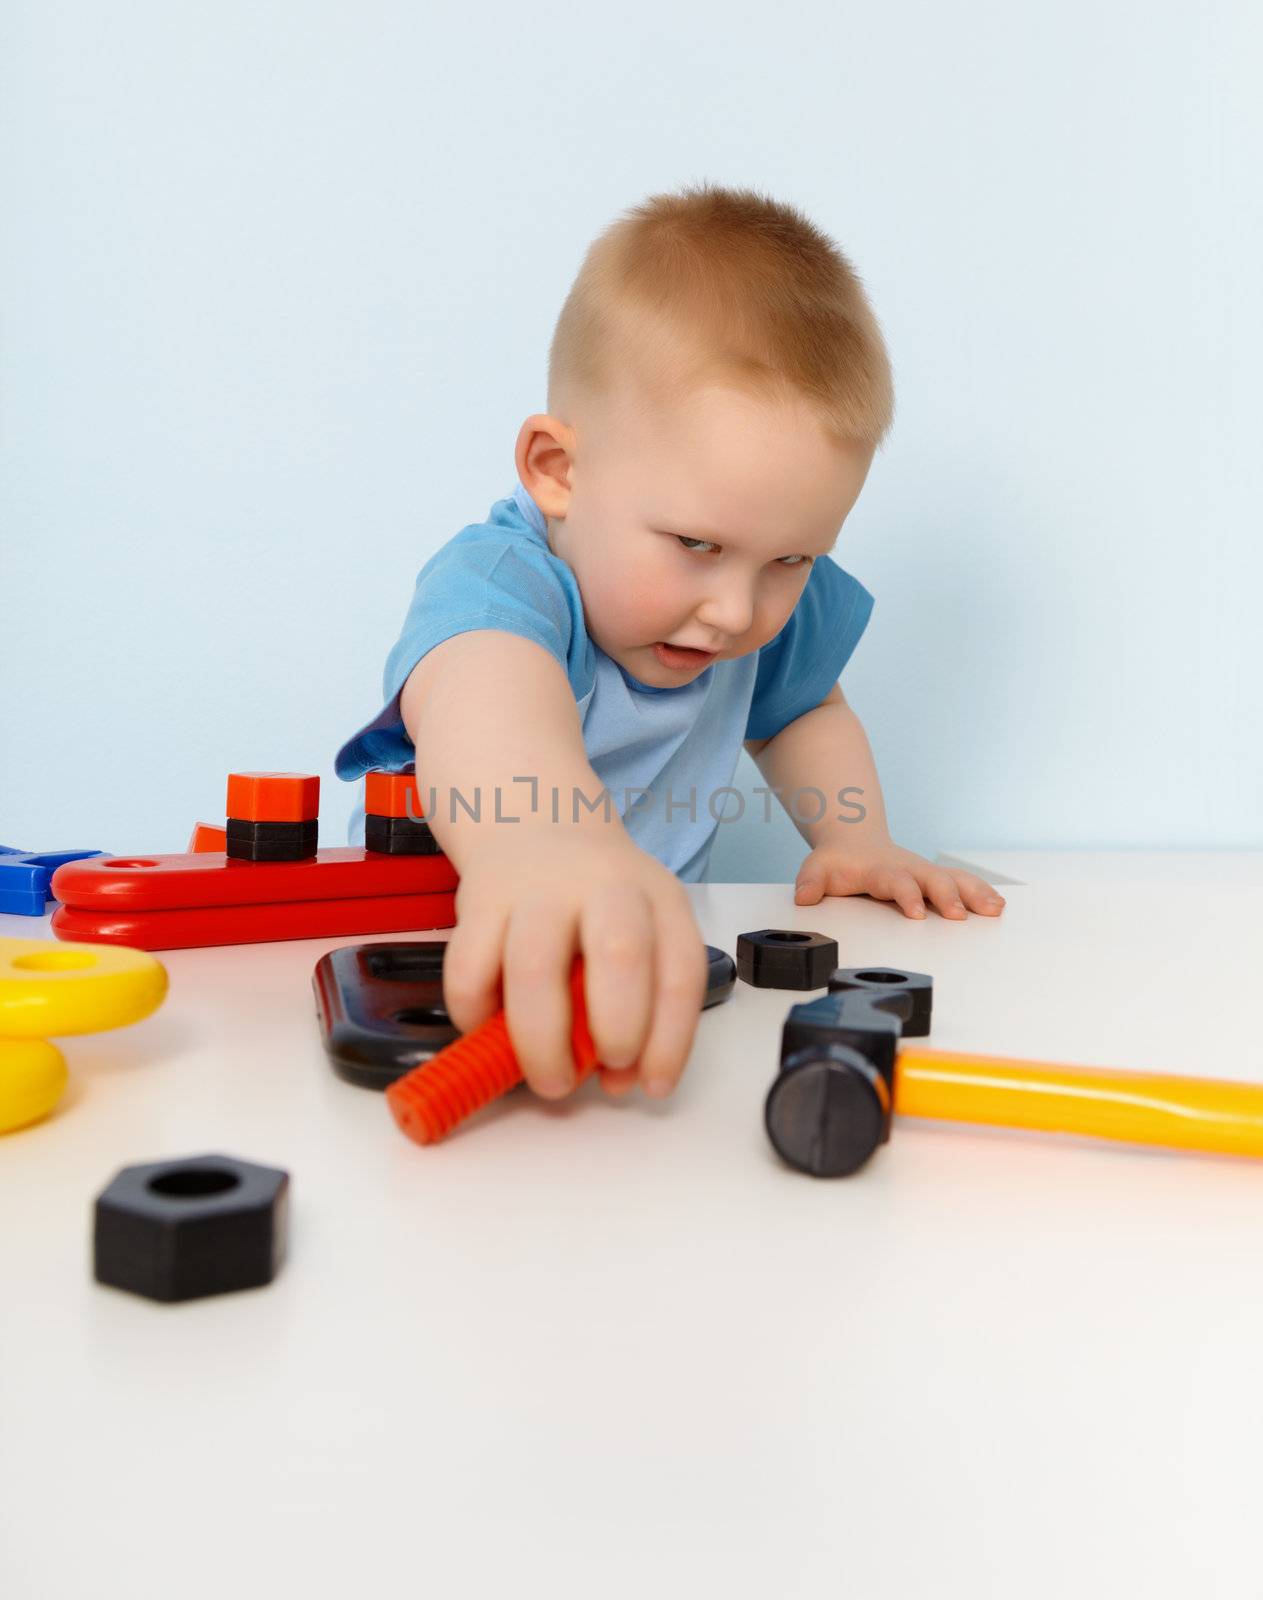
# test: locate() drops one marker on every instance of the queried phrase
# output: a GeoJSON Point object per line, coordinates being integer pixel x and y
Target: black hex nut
{"type": "Point", "coordinates": [176, 1230]}
{"type": "Point", "coordinates": [891, 980]}
{"type": "Point", "coordinates": [271, 841]}
{"type": "Point", "coordinates": [786, 958]}
{"type": "Point", "coordinates": [399, 836]}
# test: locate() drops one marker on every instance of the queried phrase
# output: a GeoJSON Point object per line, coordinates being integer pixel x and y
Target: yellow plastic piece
{"type": "Point", "coordinates": [32, 1077]}
{"type": "Point", "coordinates": [1103, 1103]}
{"type": "Point", "coordinates": [47, 988]}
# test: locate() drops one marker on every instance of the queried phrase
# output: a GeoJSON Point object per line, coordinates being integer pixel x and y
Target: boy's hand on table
{"type": "Point", "coordinates": [526, 906]}
{"type": "Point", "coordinates": [884, 870]}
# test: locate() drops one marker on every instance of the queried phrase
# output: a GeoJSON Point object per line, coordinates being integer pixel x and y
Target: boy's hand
{"type": "Point", "coordinates": [882, 869]}
{"type": "Point", "coordinates": [527, 904]}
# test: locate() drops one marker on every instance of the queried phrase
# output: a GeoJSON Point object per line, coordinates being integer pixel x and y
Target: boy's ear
{"type": "Point", "coordinates": [544, 456]}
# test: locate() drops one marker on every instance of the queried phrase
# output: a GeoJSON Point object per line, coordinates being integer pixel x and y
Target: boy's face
{"type": "Point", "coordinates": [691, 524]}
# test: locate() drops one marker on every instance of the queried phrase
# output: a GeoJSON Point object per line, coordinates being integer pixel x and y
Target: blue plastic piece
{"type": "Point", "coordinates": [25, 875]}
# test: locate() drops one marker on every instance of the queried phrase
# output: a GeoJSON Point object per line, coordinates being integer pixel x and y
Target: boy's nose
{"type": "Point", "coordinates": [728, 612]}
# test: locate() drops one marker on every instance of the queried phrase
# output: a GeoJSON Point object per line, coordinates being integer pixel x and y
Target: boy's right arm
{"type": "Point", "coordinates": [487, 711]}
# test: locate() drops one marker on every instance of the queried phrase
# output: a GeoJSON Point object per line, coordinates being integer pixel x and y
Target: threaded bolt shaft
{"type": "Point", "coordinates": [476, 1069]}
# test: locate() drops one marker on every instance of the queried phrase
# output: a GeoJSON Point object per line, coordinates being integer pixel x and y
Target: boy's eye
{"type": "Point", "coordinates": [695, 544]}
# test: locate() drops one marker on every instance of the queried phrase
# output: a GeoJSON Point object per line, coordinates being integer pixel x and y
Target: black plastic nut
{"type": "Point", "coordinates": [176, 1230]}
{"type": "Point", "coordinates": [381, 1008]}
{"type": "Point", "coordinates": [399, 836]}
{"type": "Point", "coordinates": [887, 980]}
{"type": "Point", "coordinates": [271, 841]}
{"type": "Point", "coordinates": [786, 958]}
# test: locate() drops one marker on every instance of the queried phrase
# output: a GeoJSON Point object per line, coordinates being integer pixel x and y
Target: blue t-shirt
{"type": "Point", "coordinates": [666, 756]}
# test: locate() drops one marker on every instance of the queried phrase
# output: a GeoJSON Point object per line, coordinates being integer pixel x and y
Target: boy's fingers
{"type": "Point", "coordinates": [977, 894]}
{"type": "Point", "coordinates": [471, 970]}
{"type": "Point", "coordinates": [538, 954]}
{"type": "Point", "coordinates": [617, 1080]}
{"type": "Point", "coordinates": [679, 989]}
{"type": "Point", "coordinates": [616, 936]}
{"type": "Point", "coordinates": [899, 885]}
{"type": "Point", "coordinates": [941, 890]}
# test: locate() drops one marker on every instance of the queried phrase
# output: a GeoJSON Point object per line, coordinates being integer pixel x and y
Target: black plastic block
{"type": "Point", "coordinates": [399, 836]}
{"type": "Point", "coordinates": [271, 841]}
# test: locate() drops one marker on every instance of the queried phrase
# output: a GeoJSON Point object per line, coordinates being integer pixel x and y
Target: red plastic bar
{"type": "Point", "coordinates": [256, 924]}
{"type": "Point", "coordinates": [211, 878]}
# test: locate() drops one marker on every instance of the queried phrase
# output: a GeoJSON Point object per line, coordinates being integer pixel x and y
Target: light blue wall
{"type": "Point", "coordinates": [278, 285]}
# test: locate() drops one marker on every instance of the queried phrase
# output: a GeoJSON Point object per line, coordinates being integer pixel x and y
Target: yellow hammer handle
{"type": "Point", "coordinates": [1139, 1107]}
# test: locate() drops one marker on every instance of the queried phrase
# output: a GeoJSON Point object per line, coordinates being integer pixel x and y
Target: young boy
{"type": "Point", "coordinates": [576, 675]}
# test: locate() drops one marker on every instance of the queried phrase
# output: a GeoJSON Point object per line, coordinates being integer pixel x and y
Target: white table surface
{"type": "Point", "coordinates": [611, 1348]}
{"type": "Point", "coordinates": [1194, 867]}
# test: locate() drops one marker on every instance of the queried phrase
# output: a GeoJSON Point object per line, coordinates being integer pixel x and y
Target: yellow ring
{"type": "Point", "coordinates": [52, 988]}
{"type": "Point", "coordinates": [32, 1077]}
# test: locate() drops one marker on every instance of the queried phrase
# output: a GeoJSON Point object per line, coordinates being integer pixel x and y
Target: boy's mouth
{"type": "Point", "coordinates": [680, 659]}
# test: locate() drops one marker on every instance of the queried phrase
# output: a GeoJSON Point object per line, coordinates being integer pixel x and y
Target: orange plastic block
{"type": "Point", "coordinates": [165, 883]}
{"type": "Point", "coordinates": [290, 919]}
{"type": "Point", "coordinates": [206, 836]}
{"type": "Point", "coordinates": [273, 797]}
{"type": "Point", "coordinates": [393, 794]}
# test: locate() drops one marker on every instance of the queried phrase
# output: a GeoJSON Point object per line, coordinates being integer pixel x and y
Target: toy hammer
{"type": "Point", "coordinates": [841, 1078]}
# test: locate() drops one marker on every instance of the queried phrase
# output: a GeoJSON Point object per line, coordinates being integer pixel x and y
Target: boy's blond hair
{"type": "Point", "coordinates": [728, 285]}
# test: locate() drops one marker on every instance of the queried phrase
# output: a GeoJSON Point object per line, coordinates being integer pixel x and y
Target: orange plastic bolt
{"type": "Point", "coordinates": [476, 1069]}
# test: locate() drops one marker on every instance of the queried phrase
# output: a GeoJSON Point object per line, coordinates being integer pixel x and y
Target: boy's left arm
{"type": "Point", "coordinates": [827, 750]}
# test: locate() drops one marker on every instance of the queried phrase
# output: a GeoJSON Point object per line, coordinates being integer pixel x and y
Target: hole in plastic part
{"type": "Point", "coordinates": [188, 1183]}
{"type": "Point", "coordinates": [878, 976]}
{"type": "Point", "coordinates": [405, 966]}
{"type": "Point", "coordinates": [56, 960]}
{"type": "Point", "coordinates": [137, 863]}
{"type": "Point", "coordinates": [790, 938]}
{"type": "Point", "coordinates": [423, 1017]}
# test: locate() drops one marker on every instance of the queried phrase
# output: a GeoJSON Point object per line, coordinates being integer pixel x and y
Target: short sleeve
{"type": "Point", "coordinates": [482, 578]}
{"type": "Point", "coordinates": [480, 581]}
{"type": "Point", "coordinates": [799, 667]}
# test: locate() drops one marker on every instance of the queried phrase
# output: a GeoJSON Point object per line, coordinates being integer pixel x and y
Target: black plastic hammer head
{"type": "Point", "coordinates": [827, 1111]}
{"type": "Point", "coordinates": [831, 1105]}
